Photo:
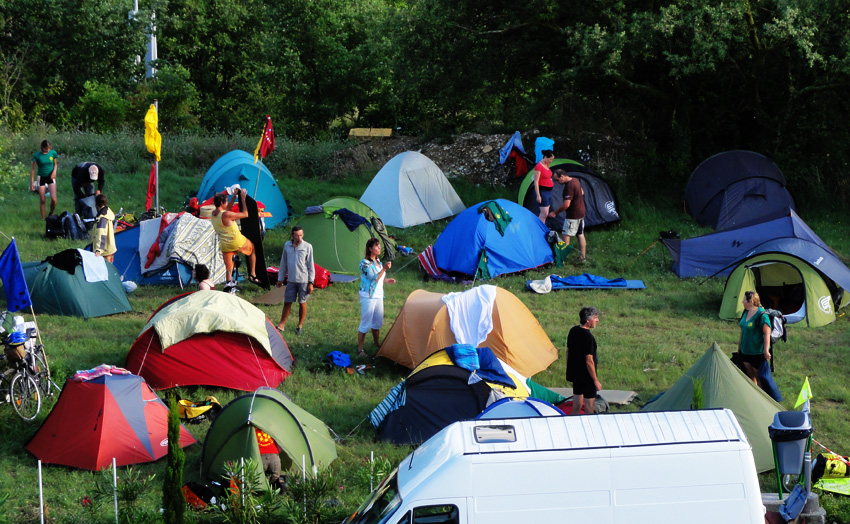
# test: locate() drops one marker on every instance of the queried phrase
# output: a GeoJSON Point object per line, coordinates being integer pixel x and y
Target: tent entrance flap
{"type": "Point", "coordinates": [779, 285]}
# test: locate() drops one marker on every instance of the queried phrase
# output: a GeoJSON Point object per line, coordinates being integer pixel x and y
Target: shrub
{"type": "Point", "coordinates": [101, 108]}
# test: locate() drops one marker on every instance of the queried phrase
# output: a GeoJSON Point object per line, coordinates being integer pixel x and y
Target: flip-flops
{"type": "Point", "coordinates": [253, 279]}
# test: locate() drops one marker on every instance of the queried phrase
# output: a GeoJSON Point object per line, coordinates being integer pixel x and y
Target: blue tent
{"type": "Point", "coordinates": [471, 240]}
{"type": "Point", "coordinates": [715, 253]}
{"type": "Point", "coordinates": [128, 263]}
{"type": "Point", "coordinates": [737, 188]}
{"type": "Point", "coordinates": [520, 408]}
{"type": "Point", "coordinates": [238, 167]}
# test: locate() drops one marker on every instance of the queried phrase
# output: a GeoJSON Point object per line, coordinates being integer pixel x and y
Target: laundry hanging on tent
{"type": "Point", "coordinates": [496, 214]}
{"type": "Point", "coordinates": [351, 219]}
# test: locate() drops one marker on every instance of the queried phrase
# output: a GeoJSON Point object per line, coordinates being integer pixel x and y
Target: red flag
{"type": "Point", "coordinates": [266, 143]}
{"type": "Point", "coordinates": [151, 187]}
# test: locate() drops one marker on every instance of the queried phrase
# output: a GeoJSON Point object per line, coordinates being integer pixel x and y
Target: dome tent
{"type": "Point", "coordinates": [238, 167]}
{"type": "Point", "coordinates": [110, 416]}
{"type": "Point", "coordinates": [422, 328]}
{"type": "Point", "coordinates": [336, 247]}
{"type": "Point", "coordinates": [472, 243]}
{"type": "Point", "coordinates": [600, 203]}
{"type": "Point", "coordinates": [801, 278]}
{"type": "Point", "coordinates": [736, 188]}
{"type": "Point", "coordinates": [298, 433]}
{"type": "Point", "coordinates": [410, 190]}
{"type": "Point", "coordinates": [58, 286]}
{"type": "Point", "coordinates": [212, 339]}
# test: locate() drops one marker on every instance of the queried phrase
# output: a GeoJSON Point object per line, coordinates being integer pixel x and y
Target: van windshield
{"type": "Point", "coordinates": [381, 504]}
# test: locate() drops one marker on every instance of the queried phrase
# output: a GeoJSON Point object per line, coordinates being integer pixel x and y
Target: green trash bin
{"type": "Point", "coordinates": [790, 434]}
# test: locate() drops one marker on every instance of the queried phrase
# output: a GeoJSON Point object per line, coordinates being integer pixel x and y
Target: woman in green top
{"type": "Point", "coordinates": [45, 163]}
{"type": "Point", "coordinates": [754, 345]}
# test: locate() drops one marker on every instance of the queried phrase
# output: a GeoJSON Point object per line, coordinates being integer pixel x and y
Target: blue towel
{"type": "Point", "coordinates": [463, 356]}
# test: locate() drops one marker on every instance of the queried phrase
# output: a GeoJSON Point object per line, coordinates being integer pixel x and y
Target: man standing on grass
{"type": "Point", "coordinates": [574, 206]}
{"type": "Point", "coordinates": [298, 271]}
{"type": "Point", "coordinates": [582, 361]}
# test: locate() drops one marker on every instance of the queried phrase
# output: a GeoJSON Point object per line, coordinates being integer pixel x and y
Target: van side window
{"type": "Point", "coordinates": [405, 519]}
{"type": "Point", "coordinates": [445, 514]}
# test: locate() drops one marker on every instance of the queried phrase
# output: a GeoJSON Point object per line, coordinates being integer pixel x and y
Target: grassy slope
{"type": "Point", "coordinates": [647, 338]}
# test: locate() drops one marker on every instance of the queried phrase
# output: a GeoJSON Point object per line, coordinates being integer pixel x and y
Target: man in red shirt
{"type": "Point", "coordinates": [574, 207]}
{"type": "Point", "coordinates": [270, 455]}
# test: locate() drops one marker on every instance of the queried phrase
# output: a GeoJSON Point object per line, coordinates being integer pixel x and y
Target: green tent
{"type": "Point", "coordinates": [725, 386]}
{"type": "Point", "coordinates": [335, 247]}
{"type": "Point", "coordinates": [57, 292]}
{"type": "Point", "coordinates": [785, 282]}
{"type": "Point", "coordinates": [232, 435]}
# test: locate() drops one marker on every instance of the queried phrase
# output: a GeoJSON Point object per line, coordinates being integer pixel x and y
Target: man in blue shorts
{"type": "Point", "coordinates": [582, 361]}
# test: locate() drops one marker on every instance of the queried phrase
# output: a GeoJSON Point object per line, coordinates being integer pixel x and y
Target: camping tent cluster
{"type": "Point", "coordinates": [760, 242]}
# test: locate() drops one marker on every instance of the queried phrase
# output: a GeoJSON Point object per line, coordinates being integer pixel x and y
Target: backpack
{"type": "Point", "coordinates": [73, 227]}
{"type": "Point", "coordinates": [777, 324]}
{"type": "Point", "coordinates": [53, 227]}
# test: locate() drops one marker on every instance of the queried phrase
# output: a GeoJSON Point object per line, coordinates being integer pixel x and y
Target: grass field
{"type": "Point", "coordinates": [647, 338]}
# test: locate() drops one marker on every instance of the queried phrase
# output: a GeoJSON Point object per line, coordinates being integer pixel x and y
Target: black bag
{"type": "Point", "coordinates": [53, 227]}
{"type": "Point", "coordinates": [73, 226]}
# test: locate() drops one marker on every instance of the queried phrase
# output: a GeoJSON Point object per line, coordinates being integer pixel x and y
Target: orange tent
{"type": "Point", "coordinates": [422, 327]}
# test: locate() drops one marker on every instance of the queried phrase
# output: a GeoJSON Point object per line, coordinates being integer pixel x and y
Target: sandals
{"type": "Point", "coordinates": [361, 353]}
{"type": "Point", "coordinates": [253, 279]}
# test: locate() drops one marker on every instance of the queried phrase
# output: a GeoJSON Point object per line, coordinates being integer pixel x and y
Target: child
{"type": "Point", "coordinates": [201, 273]}
{"type": "Point", "coordinates": [103, 243]}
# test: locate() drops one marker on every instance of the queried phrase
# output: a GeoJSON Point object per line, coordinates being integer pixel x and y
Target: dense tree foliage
{"type": "Point", "coordinates": [679, 79]}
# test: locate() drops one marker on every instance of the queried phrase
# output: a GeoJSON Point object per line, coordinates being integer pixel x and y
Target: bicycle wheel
{"type": "Point", "coordinates": [39, 371]}
{"type": "Point", "coordinates": [25, 397]}
{"type": "Point", "coordinates": [6, 385]}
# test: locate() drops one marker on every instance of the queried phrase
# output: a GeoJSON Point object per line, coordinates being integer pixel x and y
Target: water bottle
{"type": "Point", "coordinates": [19, 324]}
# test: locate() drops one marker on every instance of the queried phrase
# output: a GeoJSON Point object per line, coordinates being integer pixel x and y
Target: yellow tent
{"type": "Point", "coordinates": [422, 328]}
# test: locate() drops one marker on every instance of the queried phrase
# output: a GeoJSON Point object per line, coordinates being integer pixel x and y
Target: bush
{"type": "Point", "coordinates": [101, 108]}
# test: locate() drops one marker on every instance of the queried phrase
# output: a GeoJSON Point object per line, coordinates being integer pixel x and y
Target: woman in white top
{"type": "Point", "coordinates": [372, 274]}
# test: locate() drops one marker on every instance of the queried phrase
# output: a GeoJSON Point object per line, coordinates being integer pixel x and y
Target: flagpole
{"type": "Point", "coordinates": [156, 167]}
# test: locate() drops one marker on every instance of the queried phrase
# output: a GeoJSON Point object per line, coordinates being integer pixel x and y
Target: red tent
{"type": "Point", "coordinates": [109, 416]}
{"type": "Point", "coordinates": [212, 354]}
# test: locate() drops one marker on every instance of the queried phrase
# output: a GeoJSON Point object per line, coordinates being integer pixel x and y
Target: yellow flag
{"type": "Point", "coordinates": [805, 394]}
{"type": "Point", "coordinates": [153, 140]}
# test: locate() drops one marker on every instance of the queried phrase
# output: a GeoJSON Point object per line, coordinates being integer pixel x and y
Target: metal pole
{"type": "Point", "coordinates": [115, 488]}
{"type": "Point", "coordinates": [156, 164]}
{"type": "Point", "coordinates": [40, 493]}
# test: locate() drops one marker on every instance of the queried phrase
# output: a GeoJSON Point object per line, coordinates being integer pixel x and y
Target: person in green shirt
{"type": "Point", "coordinates": [754, 345]}
{"type": "Point", "coordinates": [44, 162]}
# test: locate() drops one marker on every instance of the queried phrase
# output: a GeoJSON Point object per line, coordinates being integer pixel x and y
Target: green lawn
{"type": "Point", "coordinates": [647, 338]}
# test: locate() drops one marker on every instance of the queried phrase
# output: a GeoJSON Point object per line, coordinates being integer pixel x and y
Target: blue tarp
{"type": "Point", "coordinates": [523, 246]}
{"type": "Point", "coordinates": [238, 167]}
{"type": "Point", "coordinates": [714, 254]}
{"type": "Point", "coordinates": [514, 142]}
{"type": "Point", "coordinates": [541, 144]}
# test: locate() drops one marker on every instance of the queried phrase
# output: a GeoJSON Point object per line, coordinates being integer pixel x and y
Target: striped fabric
{"type": "Point", "coordinates": [393, 401]}
{"type": "Point", "coordinates": [429, 263]}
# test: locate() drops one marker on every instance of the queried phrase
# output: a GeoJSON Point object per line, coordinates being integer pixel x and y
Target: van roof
{"type": "Point", "coordinates": [588, 432]}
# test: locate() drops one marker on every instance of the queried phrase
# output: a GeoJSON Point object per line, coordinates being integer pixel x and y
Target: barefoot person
{"type": "Point", "coordinates": [44, 163]}
{"type": "Point", "coordinates": [232, 240]}
{"type": "Point", "coordinates": [372, 274]}
{"type": "Point", "coordinates": [582, 361]}
{"type": "Point", "coordinates": [298, 270]}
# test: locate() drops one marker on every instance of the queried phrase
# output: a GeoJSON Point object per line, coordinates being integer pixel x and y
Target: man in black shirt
{"type": "Point", "coordinates": [83, 178]}
{"type": "Point", "coordinates": [582, 361]}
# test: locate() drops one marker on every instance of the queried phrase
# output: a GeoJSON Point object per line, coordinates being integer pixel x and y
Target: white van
{"type": "Point", "coordinates": [689, 467]}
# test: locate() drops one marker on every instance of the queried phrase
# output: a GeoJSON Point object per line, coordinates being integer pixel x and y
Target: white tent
{"type": "Point", "coordinates": [410, 190]}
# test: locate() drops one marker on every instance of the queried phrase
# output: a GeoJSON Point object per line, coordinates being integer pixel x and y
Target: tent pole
{"type": "Point", "coordinates": [115, 488]}
{"type": "Point", "coordinates": [40, 493]}
{"type": "Point", "coordinates": [257, 184]}
{"type": "Point", "coordinates": [156, 167]}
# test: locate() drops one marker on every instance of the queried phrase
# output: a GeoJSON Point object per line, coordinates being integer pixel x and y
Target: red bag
{"type": "Point", "coordinates": [323, 277]}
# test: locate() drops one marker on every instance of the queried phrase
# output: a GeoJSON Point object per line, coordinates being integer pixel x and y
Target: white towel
{"type": "Point", "coordinates": [471, 314]}
{"type": "Point", "coordinates": [94, 267]}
